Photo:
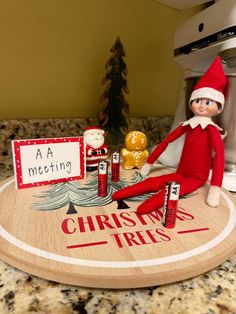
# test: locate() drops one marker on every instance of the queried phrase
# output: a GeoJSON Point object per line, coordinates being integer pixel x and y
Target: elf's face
{"type": "Point", "coordinates": [205, 107]}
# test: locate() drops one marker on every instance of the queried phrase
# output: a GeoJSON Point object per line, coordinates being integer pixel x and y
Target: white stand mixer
{"type": "Point", "coordinates": [197, 42]}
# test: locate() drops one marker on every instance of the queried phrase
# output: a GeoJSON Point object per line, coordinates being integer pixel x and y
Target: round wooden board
{"type": "Point", "coordinates": [110, 248]}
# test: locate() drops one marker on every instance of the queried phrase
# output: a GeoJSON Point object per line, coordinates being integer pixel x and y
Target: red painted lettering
{"type": "Point", "coordinates": [164, 237]}
{"type": "Point", "coordinates": [183, 215]}
{"type": "Point", "coordinates": [127, 221]}
{"type": "Point", "coordinates": [152, 236]}
{"type": "Point", "coordinates": [142, 236]}
{"type": "Point", "coordinates": [116, 221]}
{"type": "Point", "coordinates": [65, 226]}
{"type": "Point", "coordinates": [140, 218]}
{"type": "Point", "coordinates": [129, 237]}
{"type": "Point", "coordinates": [117, 239]}
{"type": "Point", "coordinates": [155, 216]}
{"type": "Point", "coordinates": [89, 222]}
{"type": "Point", "coordinates": [102, 221]}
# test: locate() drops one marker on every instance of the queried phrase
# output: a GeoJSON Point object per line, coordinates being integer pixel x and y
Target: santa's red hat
{"type": "Point", "coordinates": [93, 128]}
{"type": "Point", "coordinates": [213, 84]}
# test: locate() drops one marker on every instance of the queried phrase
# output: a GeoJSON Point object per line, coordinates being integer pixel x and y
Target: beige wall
{"type": "Point", "coordinates": [53, 54]}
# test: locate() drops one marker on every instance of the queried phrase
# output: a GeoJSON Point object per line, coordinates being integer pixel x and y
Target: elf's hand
{"type": "Point", "coordinates": [213, 197]}
{"type": "Point", "coordinates": [146, 169]}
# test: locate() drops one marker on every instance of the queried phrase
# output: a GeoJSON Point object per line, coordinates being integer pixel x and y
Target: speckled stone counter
{"type": "Point", "coordinates": [156, 128]}
{"type": "Point", "coordinates": [20, 293]}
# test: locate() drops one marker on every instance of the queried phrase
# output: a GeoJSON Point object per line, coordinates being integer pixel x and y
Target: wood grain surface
{"type": "Point", "coordinates": [111, 248]}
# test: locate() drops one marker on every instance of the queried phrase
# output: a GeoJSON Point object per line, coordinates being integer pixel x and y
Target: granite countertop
{"type": "Point", "coordinates": [211, 293]}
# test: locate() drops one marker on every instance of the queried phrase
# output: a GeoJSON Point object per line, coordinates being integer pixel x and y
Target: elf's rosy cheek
{"type": "Point", "coordinates": [213, 110]}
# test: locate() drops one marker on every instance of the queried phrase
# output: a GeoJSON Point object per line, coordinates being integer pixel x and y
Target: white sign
{"type": "Point", "coordinates": [45, 161]}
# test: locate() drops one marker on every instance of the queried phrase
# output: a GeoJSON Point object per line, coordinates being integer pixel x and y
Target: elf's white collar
{"type": "Point", "coordinates": [202, 121]}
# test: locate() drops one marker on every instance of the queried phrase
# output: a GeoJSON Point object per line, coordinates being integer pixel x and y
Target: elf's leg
{"type": "Point", "coordinates": [187, 185]}
{"type": "Point", "coordinates": [149, 185]}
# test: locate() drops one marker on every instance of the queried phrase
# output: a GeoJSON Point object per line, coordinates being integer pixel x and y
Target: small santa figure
{"type": "Point", "coordinates": [202, 139]}
{"type": "Point", "coordinates": [96, 150]}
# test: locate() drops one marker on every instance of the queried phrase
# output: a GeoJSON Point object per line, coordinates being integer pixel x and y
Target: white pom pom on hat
{"type": "Point", "coordinates": [213, 84]}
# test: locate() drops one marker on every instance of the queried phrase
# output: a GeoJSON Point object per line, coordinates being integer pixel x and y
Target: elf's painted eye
{"type": "Point", "coordinates": [208, 102]}
{"type": "Point", "coordinates": [198, 101]}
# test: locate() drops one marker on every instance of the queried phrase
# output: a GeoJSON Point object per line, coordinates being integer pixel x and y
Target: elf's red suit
{"type": "Point", "coordinates": [202, 137]}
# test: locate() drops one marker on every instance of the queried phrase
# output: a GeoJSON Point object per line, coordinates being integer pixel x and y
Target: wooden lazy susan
{"type": "Point", "coordinates": [44, 232]}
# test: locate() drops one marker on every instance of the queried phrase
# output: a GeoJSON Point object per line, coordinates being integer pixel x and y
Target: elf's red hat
{"type": "Point", "coordinates": [213, 84]}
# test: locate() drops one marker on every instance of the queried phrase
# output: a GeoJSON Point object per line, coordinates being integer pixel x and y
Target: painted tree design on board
{"type": "Point", "coordinates": [74, 193]}
{"type": "Point", "coordinates": [113, 116]}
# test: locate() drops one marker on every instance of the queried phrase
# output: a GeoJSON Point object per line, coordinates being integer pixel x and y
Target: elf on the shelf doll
{"type": "Point", "coordinates": [96, 150]}
{"type": "Point", "coordinates": [202, 138]}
